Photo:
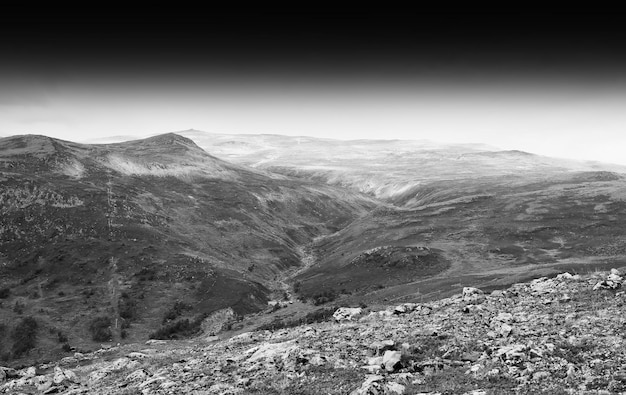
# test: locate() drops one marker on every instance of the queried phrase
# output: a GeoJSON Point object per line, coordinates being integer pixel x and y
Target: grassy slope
{"type": "Point", "coordinates": [493, 232]}
{"type": "Point", "coordinates": [150, 222]}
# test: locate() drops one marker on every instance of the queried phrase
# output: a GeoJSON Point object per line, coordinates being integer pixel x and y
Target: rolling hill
{"type": "Point", "coordinates": [138, 230]}
{"type": "Point", "coordinates": [486, 217]}
{"type": "Point", "coordinates": [156, 234]}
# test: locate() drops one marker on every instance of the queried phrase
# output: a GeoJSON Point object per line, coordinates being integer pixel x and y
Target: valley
{"type": "Point", "coordinates": [169, 235]}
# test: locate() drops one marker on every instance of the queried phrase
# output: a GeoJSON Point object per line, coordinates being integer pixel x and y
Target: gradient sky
{"type": "Point", "coordinates": [548, 84]}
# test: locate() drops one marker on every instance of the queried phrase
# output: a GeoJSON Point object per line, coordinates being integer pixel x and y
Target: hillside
{"type": "Point", "coordinates": [559, 335]}
{"type": "Point", "coordinates": [146, 234]}
{"type": "Point", "coordinates": [491, 232]}
{"type": "Point", "coordinates": [481, 216]}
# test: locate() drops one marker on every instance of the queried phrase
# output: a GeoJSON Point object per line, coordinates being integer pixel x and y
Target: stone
{"type": "Point", "coordinates": [542, 286]}
{"type": "Point", "coordinates": [607, 284]}
{"type": "Point", "coordinates": [391, 360]}
{"type": "Point", "coordinates": [375, 361]}
{"type": "Point", "coordinates": [137, 355]}
{"type": "Point", "coordinates": [473, 295]}
{"type": "Point", "coordinates": [42, 383]}
{"type": "Point", "coordinates": [63, 376]}
{"type": "Point", "coordinates": [513, 352]}
{"type": "Point", "coordinates": [382, 346]}
{"type": "Point", "coordinates": [472, 356]}
{"type": "Point", "coordinates": [394, 388]}
{"type": "Point", "coordinates": [155, 342]}
{"type": "Point", "coordinates": [541, 375]}
{"type": "Point", "coordinates": [614, 277]}
{"type": "Point", "coordinates": [29, 372]}
{"type": "Point", "coordinates": [97, 375]}
{"type": "Point", "coordinates": [139, 375]}
{"type": "Point", "coordinates": [371, 385]}
{"type": "Point", "coordinates": [564, 276]}
{"type": "Point", "coordinates": [506, 330]}
{"type": "Point", "coordinates": [405, 308]}
{"type": "Point", "coordinates": [343, 314]}
{"type": "Point", "coordinates": [504, 317]}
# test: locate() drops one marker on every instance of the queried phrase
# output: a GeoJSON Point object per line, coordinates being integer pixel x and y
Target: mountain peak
{"type": "Point", "coordinates": [169, 139]}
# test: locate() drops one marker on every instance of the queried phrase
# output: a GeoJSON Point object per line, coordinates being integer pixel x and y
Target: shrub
{"type": "Point", "coordinates": [5, 293]}
{"type": "Point", "coordinates": [179, 329]}
{"type": "Point", "coordinates": [66, 347]}
{"type": "Point", "coordinates": [24, 336]}
{"type": "Point", "coordinates": [176, 311]}
{"type": "Point", "coordinates": [3, 335]}
{"type": "Point", "coordinates": [127, 307]}
{"type": "Point", "coordinates": [312, 317]}
{"type": "Point", "coordinates": [324, 297]}
{"type": "Point", "coordinates": [18, 307]}
{"type": "Point", "coordinates": [61, 337]}
{"type": "Point", "coordinates": [100, 328]}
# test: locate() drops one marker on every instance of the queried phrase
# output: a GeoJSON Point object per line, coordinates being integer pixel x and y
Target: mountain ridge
{"type": "Point", "coordinates": [144, 225]}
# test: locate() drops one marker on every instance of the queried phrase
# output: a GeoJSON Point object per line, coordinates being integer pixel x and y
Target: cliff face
{"type": "Point", "coordinates": [551, 335]}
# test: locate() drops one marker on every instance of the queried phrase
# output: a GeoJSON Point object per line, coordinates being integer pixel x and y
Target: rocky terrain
{"type": "Point", "coordinates": [558, 335]}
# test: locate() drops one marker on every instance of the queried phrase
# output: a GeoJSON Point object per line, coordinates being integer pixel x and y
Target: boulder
{"type": "Point", "coordinates": [473, 295]}
{"type": "Point", "coordinates": [542, 286]}
{"type": "Point", "coordinates": [504, 317]}
{"type": "Point", "coordinates": [505, 330]}
{"type": "Point", "coordinates": [347, 314]}
{"type": "Point", "coordinates": [391, 360]}
{"type": "Point", "coordinates": [405, 308]}
{"type": "Point", "coordinates": [42, 383]}
{"type": "Point", "coordinates": [154, 342]}
{"type": "Point", "coordinates": [137, 355]}
{"type": "Point", "coordinates": [137, 376]}
{"type": "Point", "coordinates": [29, 373]}
{"type": "Point", "coordinates": [382, 346]}
{"type": "Point", "coordinates": [394, 388]}
{"type": "Point", "coordinates": [61, 376]}
{"type": "Point", "coordinates": [371, 385]}
{"type": "Point", "coordinates": [607, 284]}
{"type": "Point", "coordinates": [513, 353]}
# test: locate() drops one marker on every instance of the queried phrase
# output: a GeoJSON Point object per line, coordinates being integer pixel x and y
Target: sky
{"type": "Point", "coordinates": [551, 84]}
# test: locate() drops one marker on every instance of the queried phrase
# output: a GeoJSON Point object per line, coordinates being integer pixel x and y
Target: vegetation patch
{"type": "Point", "coordinates": [179, 329]}
{"type": "Point", "coordinates": [100, 329]}
{"type": "Point", "coordinates": [176, 311]}
{"type": "Point", "coordinates": [24, 336]}
{"type": "Point", "coordinates": [319, 315]}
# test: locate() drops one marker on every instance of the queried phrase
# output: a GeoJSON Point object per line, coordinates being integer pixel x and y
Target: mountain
{"type": "Point", "coordinates": [391, 170]}
{"type": "Point", "coordinates": [146, 233]}
{"type": "Point", "coordinates": [450, 214]}
{"type": "Point", "coordinates": [174, 239]}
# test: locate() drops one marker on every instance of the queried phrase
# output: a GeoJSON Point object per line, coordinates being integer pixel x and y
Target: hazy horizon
{"type": "Point", "coordinates": [551, 85]}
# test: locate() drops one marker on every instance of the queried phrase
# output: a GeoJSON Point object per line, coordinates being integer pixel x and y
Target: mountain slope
{"type": "Point", "coordinates": [126, 230]}
{"type": "Point", "coordinates": [478, 214]}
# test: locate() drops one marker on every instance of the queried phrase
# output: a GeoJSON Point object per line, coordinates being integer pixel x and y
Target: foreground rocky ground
{"type": "Point", "coordinates": [562, 335]}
